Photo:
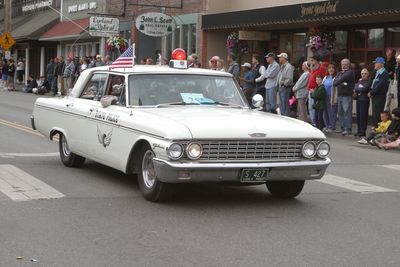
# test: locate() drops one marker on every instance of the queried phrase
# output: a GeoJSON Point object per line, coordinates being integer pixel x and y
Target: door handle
{"type": "Point", "coordinates": [69, 105]}
{"type": "Point", "coordinates": [91, 110]}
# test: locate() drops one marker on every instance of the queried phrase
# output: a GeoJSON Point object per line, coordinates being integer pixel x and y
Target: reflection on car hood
{"type": "Point", "coordinates": [232, 123]}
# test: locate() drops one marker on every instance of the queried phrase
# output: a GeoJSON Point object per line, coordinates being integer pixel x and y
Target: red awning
{"type": "Point", "coordinates": [66, 30]}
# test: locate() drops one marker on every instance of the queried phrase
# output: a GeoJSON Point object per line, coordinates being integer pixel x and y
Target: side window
{"type": "Point", "coordinates": [95, 87]}
{"type": "Point", "coordinates": [116, 88]}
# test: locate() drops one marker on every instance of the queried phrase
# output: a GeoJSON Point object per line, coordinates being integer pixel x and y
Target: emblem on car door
{"type": "Point", "coordinates": [104, 139]}
{"type": "Point", "coordinates": [257, 135]}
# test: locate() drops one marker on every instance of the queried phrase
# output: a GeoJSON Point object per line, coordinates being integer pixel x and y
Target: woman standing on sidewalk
{"type": "Point", "coordinates": [329, 114]}
{"type": "Point", "coordinates": [11, 73]}
{"type": "Point", "coordinates": [361, 90]}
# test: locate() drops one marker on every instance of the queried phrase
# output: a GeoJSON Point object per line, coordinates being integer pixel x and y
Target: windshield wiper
{"type": "Point", "coordinates": [176, 104]}
{"type": "Point", "coordinates": [223, 104]}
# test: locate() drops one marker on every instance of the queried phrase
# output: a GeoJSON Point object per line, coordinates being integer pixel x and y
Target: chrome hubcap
{"type": "Point", "coordinates": [148, 170]}
{"type": "Point", "coordinates": [65, 148]}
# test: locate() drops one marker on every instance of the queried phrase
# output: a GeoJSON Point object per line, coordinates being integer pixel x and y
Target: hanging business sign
{"type": "Point", "coordinates": [103, 27]}
{"type": "Point", "coordinates": [155, 24]}
{"type": "Point", "coordinates": [254, 36]}
{"type": "Point", "coordinates": [35, 5]}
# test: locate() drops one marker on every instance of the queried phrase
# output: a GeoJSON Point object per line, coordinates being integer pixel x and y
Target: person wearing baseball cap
{"type": "Point", "coordinates": [379, 88]}
{"type": "Point", "coordinates": [397, 78]}
{"type": "Point", "coordinates": [271, 75]}
{"type": "Point", "coordinates": [248, 81]}
{"type": "Point", "coordinates": [285, 83]}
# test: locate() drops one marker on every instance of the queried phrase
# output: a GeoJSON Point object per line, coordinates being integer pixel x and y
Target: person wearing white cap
{"type": "Point", "coordinates": [248, 81]}
{"type": "Point", "coordinates": [285, 83]}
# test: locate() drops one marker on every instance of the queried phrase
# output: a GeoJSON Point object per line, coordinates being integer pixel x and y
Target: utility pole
{"type": "Point", "coordinates": [7, 15]}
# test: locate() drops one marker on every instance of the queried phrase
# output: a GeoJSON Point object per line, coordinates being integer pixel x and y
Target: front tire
{"type": "Point", "coordinates": [68, 158]}
{"type": "Point", "coordinates": [151, 188]}
{"type": "Point", "coordinates": [285, 189]}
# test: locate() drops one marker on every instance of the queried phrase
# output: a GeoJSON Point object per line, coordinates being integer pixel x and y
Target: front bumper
{"type": "Point", "coordinates": [175, 172]}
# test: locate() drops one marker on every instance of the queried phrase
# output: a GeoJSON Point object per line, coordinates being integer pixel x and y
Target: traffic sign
{"type": "Point", "coordinates": [6, 41]}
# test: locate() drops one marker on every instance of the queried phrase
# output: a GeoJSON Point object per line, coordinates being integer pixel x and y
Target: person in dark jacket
{"type": "Point", "coordinates": [397, 77]}
{"type": "Point", "coordinates": [56, 72]}
{"type": "Point", "coordinates": [361, 90]}
{"type": "Point", "coordinates": [31, 84]}
{"type": "Point", "coordinates": [345, 82]}
{"type": "Point", "coordinates": [11, 74]}
{"type": "Point", "coordinates": [379, 89]}
{"type": "Point", "coordinates": [319, 96]}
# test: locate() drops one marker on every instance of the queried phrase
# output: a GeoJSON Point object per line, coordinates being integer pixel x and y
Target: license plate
{"type": "Point", "coordinates": [253, 175]}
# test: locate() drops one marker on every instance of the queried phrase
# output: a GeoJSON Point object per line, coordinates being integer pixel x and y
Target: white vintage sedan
{"type": "Point", "coordinates": [172, 125]}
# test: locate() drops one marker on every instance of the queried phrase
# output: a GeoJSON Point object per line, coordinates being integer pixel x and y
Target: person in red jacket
{"type": "Point", "coordinates": [316, 70]}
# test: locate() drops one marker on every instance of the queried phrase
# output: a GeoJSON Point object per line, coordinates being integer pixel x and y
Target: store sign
{"type": "Point", "coordinates": [254, 36]}
{"type": "Point", "coordinates": [36, 5]}
{"type": "Point", "coordinates": [155, 24]}
{"type": "Point", "coordinates": [324, 9]}
{"type": "Point", "coordinates": [103, 27]}
{"type": "Point", "coordinates": [82, 7]}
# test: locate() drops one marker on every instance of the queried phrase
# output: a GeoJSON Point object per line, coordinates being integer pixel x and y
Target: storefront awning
{"type": "Point", "coordinates": [32, 26]}
{"type": "Point", "coordinates": [317, 12]}
{"type": "Point", "coordinates": [66, 30]}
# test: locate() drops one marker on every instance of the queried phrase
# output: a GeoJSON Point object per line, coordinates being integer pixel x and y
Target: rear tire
{"type": "Point", "coordinates": [152, 189]}
{"type": "Point", "coordinates": [285, 189]}
{"type": "Point", "coordinates": [68, 158]}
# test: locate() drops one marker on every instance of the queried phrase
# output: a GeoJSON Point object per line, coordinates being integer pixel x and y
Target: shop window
{"type": "Point", "coordinates": [360, 37]}
{"type": "Point", "coordinates": [340, 46]}
{"type": "Point", "coordinates": [375, 38]}
{"type": "Point", "coordinates": [285, 42]}
{"type": "Point", "coordinates": [393, 37]}
{"type": "Point", "coordinates": [192, 48]}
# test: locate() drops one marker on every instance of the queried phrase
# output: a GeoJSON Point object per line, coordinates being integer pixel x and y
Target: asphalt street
{"type": "Point", "coordinates": [96, 216]}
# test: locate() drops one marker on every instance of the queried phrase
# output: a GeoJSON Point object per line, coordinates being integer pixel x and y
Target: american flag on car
{"type": "Point", "coordinates": [126, 60]}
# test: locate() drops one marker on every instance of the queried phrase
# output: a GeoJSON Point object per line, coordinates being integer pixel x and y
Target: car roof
{"type": "Point", "coordinates": [164, 69]}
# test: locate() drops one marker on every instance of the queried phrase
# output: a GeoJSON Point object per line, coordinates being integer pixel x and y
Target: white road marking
{"type": "Point", "coordinates": [394, 167]}
{"type": "Point", "coordinates": [353, 185]}
{"type": "Point", "coordinates": [21, 186]}
{"type": "Point", "coordinates": [12, 155]}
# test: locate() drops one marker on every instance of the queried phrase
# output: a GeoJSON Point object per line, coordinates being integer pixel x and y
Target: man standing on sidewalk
{"type": "Point", "coordinates": [68, 75]}
{"type": "Point", "coordinates": [379, 89]}
{"type": "Point", "coordinates": [233, 68]}
{"type": "Point", "coordinates": [271, 75]}
{"type": "Point", "coordinates": [285, 83]}
{"type": "Point", "coordinates": [345, 81]}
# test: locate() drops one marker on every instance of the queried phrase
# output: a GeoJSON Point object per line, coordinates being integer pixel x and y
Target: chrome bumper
{"type": "Point", "coordinates": [175, 172]}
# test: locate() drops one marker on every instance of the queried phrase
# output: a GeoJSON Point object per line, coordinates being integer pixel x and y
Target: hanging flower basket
{"type": "Point", "coordinates": [320, 40]}
{"type": "Point", "coordinates": [235, 46]}
{"type": "Point", "coordinates": [116, 43]}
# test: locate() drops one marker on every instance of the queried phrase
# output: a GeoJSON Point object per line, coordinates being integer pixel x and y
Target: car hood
{"type": "Point", "coordinates": [233, 123]}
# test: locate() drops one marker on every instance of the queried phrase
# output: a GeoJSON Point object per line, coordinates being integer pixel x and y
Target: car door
{"type": "Point", "coordinates": [107, 139]}
{"type": "Point", "coordinates": [84, 105]}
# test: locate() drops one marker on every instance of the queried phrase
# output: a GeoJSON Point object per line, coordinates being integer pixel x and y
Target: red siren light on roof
{"type": "Point", "coordinates": [178, 54]}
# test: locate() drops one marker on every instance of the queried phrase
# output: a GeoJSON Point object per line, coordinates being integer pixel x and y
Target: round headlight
{"type": "Point", "coordinates": [194, 151]}
{"type": "Point", "coordinates": [323, 149]}
{"type": "Point", "coordinates": [175, 151]}
{"type": "Point", "coordinates": [309, 150]}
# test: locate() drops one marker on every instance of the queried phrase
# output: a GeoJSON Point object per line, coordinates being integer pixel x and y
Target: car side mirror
{"type": "Point", "coordinates": [258, 101]}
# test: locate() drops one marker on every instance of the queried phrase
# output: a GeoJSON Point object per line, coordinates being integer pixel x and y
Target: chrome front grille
{"type": "Point", "coordinates": [253, 150]}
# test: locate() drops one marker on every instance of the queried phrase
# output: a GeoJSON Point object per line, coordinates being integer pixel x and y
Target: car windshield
{"type": "Point", "coordinates": [172, 89]}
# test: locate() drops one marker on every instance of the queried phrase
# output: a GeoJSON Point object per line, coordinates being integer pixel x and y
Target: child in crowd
{"type": "Point", "coordinates": [319, 96]}
{"type": "Point", "coordinates": [382, 128]}
{"type": "Point", "coordinates": [393, 131]}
